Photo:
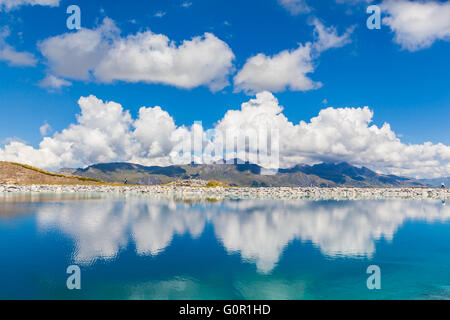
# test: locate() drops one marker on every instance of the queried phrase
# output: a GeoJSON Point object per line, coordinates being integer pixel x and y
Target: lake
{"type": "Point", "coordinates": [139, 247]}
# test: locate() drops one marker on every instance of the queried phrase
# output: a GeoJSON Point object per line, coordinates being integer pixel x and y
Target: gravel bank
{"type": "Point", "coordinates": [241, 193]}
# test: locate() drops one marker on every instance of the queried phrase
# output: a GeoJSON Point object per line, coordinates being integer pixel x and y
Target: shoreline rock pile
{"type": "Point", "coordinates": [187, 183]}
{"type": "Point", "coordinates": [200, 192]}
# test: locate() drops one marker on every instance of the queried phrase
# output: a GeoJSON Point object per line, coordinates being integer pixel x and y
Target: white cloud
{"type": "Point", "coordinates": [75, 55]}
{"type": "Point", "coordinates": [289, 69]}
{"type": "Point", "coordinates": [186, 4]}
{"type": "Point", "coordinates": [417, 25]}
{"type": "Point", "coordinates": [16, 58]}
{"type": "Point", "coordinates": [153, 130]}
{"type": "Point", "coordinates": [327, 37]}
{"type": "Point", "coordinates": [152, 58]}
{"type": "Point", "coordinates": [295, 6]}
{"type": "Point", "coordinates": [11, 56]}
{"type": "Point", "coordinates": [13, 4]}
{"type": "Point", "coordinates": [105, 132]}
{"type": "Point", "coordinates": [102, 55]}
{"type": "Point", "coordinates": [53, 83]}
{"type": "Point", "coordinates": [45, 129]}
{"type": "Point", "coordinates": [160, 14]}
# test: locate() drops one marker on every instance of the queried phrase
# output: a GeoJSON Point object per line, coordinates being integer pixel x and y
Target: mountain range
{"type": "Point", "coordinates": [247, 175]}
{"type": "Point", "coordinates": [437, 182]}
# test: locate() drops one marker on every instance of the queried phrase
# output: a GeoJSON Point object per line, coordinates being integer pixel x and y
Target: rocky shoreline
{"type": "Point", "coordinates": [222, 193]}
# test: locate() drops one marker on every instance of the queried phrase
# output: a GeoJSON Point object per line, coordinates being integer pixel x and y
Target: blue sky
{"type": "Point", "coordinates": [404, 86]}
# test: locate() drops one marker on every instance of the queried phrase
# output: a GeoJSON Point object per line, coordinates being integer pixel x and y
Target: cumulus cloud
{"type": "Point", "coordinates": [289, 69]}
{"type": "Point", "coordinates": [152, 58]}
{"type": "Point", "coordinates": [75, 55]}
{"type": "Point", "coordinates": [153, 130]}
{"type": "Point", "coordinates": [102, 55]}
{"type": "Point", "coordinates": [14, 4]}
{"type": "Point", "coordinates": [11, 56]}
{"type": "Point", "coordinates": [105, 132]}
{"type": "Point", "coordinates": [417, 25]}
{"type": "Point", "coordinates": [295, 6]}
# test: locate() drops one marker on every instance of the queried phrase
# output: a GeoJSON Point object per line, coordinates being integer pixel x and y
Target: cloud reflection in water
{"type": "Point", "coordinates": [258, 230]}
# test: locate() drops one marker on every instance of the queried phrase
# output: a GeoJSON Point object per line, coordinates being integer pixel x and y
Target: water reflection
{"type": "Point", "coordinates": [46, 197]}
{"type": "Point", "coordinates": [258, 230]}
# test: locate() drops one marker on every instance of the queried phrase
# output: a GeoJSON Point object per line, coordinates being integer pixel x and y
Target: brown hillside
{"type": "Point", "coordinates": [16, 173]}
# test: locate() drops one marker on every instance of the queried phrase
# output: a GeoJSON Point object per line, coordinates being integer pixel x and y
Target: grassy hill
{"type": "Point", "coordinates": [16, 173]}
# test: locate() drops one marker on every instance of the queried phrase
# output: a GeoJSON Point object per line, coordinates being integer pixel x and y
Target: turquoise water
{"type": "Point", "coordinates": [139, 248]}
